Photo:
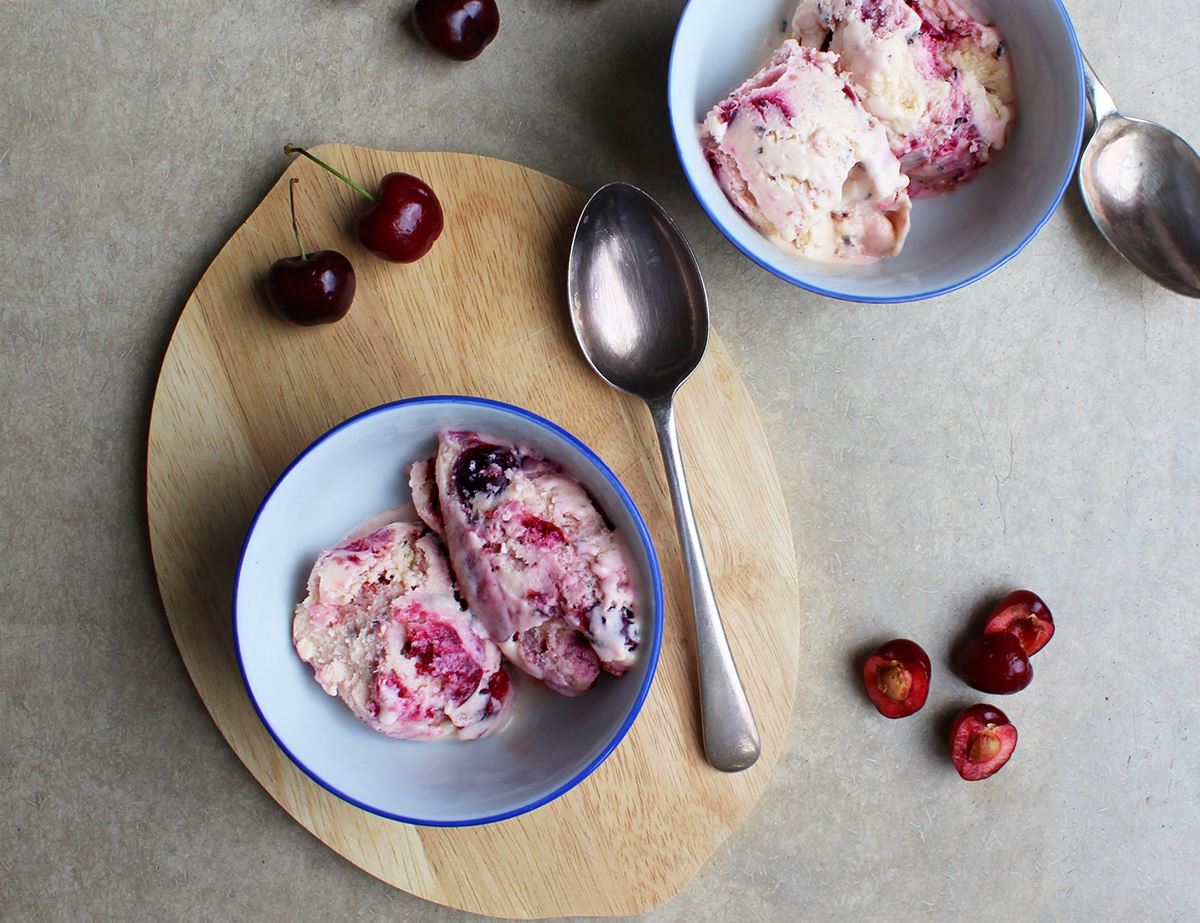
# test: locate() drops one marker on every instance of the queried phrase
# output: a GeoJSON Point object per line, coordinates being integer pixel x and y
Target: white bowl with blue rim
{"type": "Point", "coordinates": [956, 238]}
{"type": "Point", "coordinates": [352, 473]}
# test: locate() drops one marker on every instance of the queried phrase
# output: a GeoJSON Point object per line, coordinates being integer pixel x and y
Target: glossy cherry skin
{"type": "Point", "coordinates": [896, 678]}
{"type": "Point", "coordinates": [1024, 615]}
{"type": "Point", "coordinates": [317, 289]}
{"type": "Point", "coordinates": [459, 29]}
{"type": "Point", "coordinates": [995, 663]}
{"type": "Point", "coordinates": [405, 220]}
{"type": "Point", "coordinates": [981, 741]}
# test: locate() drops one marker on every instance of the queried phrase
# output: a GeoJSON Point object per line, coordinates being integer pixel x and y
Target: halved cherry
{"type": "Point", "coordinates": [897, 678]}
{"type": "Point", "coordinates": [981, 742]}
{"type": "Point", "coordinates": [1025, 615]}
{"type": "Point", "coordinates": [996, 664]}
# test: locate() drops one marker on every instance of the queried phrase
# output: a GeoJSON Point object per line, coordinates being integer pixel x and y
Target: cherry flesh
{"type": "Point", "coordinates": [312, 288]}
{"type": "Point", "coordinates": [405, 219]}
{"type": "Point", "coordinates": [995, 663]}
{"type": "Point", "coordinates": [896, 677]}
{"type": "Point", "coordinates": [1024, 615]}
{"type": "Point", "coordinates": [981, 742]}
{"type": "Point", "coordinates": [459, 29]}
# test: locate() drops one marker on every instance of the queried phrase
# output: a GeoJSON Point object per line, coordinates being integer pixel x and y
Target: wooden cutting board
{"type": "Point", "coordinates": [241, 393]}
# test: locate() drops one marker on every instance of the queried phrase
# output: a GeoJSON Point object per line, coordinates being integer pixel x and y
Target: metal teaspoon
{"type": "Point", "coordinates": [641, 317]}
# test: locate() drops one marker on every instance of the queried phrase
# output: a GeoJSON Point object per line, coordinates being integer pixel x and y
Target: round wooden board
{"type": "Point", "coordinates": [241, 393]}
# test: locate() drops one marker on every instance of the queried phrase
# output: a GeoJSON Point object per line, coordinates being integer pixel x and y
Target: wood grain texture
{"type": "Point", "coordinates": [241, 393]}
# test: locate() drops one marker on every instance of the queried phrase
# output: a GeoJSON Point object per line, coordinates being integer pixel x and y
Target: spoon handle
{"type": "Point", "coordinates": [1102, 104]}
{"type": "Point", "coordinates": [731, 740]}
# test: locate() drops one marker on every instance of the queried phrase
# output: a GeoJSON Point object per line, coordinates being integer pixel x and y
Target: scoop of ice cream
{"type": "Point", "coordinates": [535, 560]}
{"type": "Point", "coordinates": [939, 81]}
{"type": "Point", "coordinates": [382, 631]}
{"type": "Point", "coordinates": [796, 152]}
{"type": "Point", "coordinates": [874, 41]}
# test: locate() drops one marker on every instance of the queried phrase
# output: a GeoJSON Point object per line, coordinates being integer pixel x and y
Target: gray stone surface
{"type": "Point", "coordinates": [1040, 429]}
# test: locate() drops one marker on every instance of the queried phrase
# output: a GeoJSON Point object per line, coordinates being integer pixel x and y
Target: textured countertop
{"type": "Point", "coordinates": [1040, 428]}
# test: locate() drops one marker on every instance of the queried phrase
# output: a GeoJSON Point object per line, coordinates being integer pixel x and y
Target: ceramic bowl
{"type": "Point", "coordinates": [956, 238]}
{"type": "Point", "coordinates": [353, 472]}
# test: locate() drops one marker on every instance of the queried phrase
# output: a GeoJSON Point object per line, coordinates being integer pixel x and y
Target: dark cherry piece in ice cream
{"type": "Point", "coordinates": [482, 469]}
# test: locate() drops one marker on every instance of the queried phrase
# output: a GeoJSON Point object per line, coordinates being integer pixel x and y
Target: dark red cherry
{"type": "Point", "coordinates": [1024, 615]}
{"type": "Point", "coordinates": [995, 663]}
{"type": "Point", "coordinates": [317, 288]}
{"type": "Point", "coordinates": [981, 741]}
{"type": "Point", "coordinates": [482, 469]}
{"type": "Point", "coordinates": [896, 678]}
{"type": "Point", "coordinates": [405, 218]}
{"type": "Point", "coordinates": [459, 29]}
{"type": "Point", "coordinates": [312, 288]}
{"type": "Point", "coordinates": [405, 222]}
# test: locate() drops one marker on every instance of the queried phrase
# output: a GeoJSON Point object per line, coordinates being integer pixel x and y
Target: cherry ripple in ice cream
{"type": "Point", "coordinates": [383, 631]}
{"type": "Point", "coordinates": [535, 560]}
{"type": "Point", "coordinates": [796, 152]}
{"type": "Point", "coordinates": [940, 82]}
{"type": "Point", "coordinates": [932, 82]}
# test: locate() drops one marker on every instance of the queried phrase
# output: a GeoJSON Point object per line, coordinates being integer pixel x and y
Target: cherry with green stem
{"type": "Point", "coordinates": [312, 288]}
{"type": "Point", "coordinates": [405, 218]}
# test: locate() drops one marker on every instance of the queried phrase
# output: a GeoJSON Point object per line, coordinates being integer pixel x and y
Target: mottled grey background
{"type": "Point", "coordinates": [1040, 428]}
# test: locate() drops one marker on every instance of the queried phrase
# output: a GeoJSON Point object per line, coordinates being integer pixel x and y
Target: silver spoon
{"type": "Point", "coordinates": [641, 317]}
{"type": "Point", "coordinates": [1141, 184]}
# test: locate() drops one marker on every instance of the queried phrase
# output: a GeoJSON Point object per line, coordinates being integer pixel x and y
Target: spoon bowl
{"type": "Point", "coordinates": [1141, 185]}
{"type": "Point", "coordinates": [655, 314]}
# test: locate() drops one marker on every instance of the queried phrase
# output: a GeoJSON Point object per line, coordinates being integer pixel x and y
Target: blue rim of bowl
{"type": "Point", "coordinates": [655, 577]}
{"type": "Point", "coordinates": [872, 299]}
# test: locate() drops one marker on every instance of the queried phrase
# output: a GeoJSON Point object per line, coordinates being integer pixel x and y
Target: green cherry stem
{"type": "Point", "coordinates": [295, 227]}
{"type": "Point", "coordinates": [291, 149]}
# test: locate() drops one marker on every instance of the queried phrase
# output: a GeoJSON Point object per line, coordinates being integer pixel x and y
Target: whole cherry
{"type": "Point", "coordinates": [981, 741]}
{"type": "Point", "coordinates": [312, 288]}
{"type": "Point", "coordinates": [406, 217]}
{"type": "Point", "coordinates": [896, 677]}
{"type": "Point", "coordinates": [459, 29]}
{"type": "Point", "coordinates": [1024, 615]}
{"type": "Point", "coordinates": [995, 663]}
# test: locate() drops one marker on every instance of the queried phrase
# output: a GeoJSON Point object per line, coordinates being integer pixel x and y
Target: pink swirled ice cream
{"type": "Point", "coordinates": [535, 560]}
{"type": "Point", "coordinates": [797, 154]}
{"type": "Point", "coordinates": [939, 81]}
{"type": "Point", "coordinates": [383, 631]}
{"type": "Point", "coordinates": [926, 77]}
